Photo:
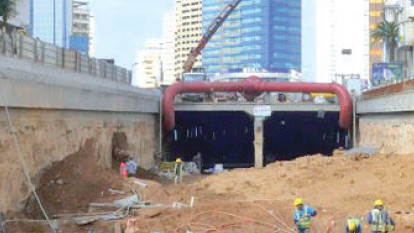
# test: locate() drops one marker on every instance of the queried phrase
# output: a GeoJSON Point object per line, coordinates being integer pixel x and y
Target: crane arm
{"type": "Point", "coordinates": [210, 31]}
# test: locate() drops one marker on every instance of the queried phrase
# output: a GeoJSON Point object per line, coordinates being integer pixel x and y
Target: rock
{"type": "Point", "coordinates": [59, 182]}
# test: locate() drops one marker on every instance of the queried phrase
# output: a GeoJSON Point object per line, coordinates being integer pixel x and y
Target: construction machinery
{"type": "Point", "coordinates": [209, 33]}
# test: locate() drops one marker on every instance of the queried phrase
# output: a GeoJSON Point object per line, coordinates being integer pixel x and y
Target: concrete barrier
{"type": "Point", "coordinates": [34, 50]}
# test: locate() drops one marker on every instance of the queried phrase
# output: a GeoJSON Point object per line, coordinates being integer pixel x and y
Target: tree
{"type": "Point", "coordinates": [6, 10]}
{"type": "Point", "coordinates": [387, 32]}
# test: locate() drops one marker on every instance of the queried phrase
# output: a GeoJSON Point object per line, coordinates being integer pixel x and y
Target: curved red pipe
{"type": "Point", "coordinates": [254, 84]}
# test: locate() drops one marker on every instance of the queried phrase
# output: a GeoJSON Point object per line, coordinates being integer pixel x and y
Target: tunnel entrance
{"type": "Point", "coordinates": [228, 137]}
{"type": "Point", "coordinates": [288, 135]}
{"type": "Point", "coordinates": [221, 137]}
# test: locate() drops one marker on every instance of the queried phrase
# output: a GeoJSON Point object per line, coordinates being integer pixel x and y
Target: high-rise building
{"type": "Point", "coordinates": [91, 35]}
{"type": "Point", "coordinates": [51, 21]}
{"type": "Point", "coordinates": [148, 69]}
{"type": "Point", "coordinates": [258, 35]}
{"type": "Point", "coordinates": [189, 28]}
{"type": "Point", "coordinates": [376, 16]}
{"type": "Point", "coordinates": [335, 41]}
{"type": "Point", "coordinates": [168, 56]}
{"type": "Point", "coordinates": [81, 34]}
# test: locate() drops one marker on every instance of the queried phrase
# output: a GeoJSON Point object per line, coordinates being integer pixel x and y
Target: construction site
{"type": "Point", "coordinates": [84, 151]}
{"type": "Point", "coordinates": [79, 195]}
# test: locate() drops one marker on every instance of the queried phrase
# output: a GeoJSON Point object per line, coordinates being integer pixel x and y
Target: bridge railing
{"type": "Point", "coordinates": [17, 45]}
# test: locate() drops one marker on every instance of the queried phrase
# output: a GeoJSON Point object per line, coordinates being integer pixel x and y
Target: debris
{"type": "Point", "coordinates": [218, 168]}
{"type": "Point", "coordinates": [178, 205]}
{"type": "Point", "coordinates": [127, 202]}
{"type": "Point", "coordinates": [85, 220]}
{"type": "Point", "coordinates": [362, 150]}
{"type": "Point", "coordinates": [192, 201]}
{"type": "Point", "coordinates": [190, 167]}
{"type": "Point", "coordinates": [81, 221]}
{"type": "Point", "coordinates": [166, 175]}
{"type": "Point", "coordinates": [111, 205]}
{"type": "Point", "coordinates": [114, 191]}
{"type": "Point", "coordinates": [140, 183]}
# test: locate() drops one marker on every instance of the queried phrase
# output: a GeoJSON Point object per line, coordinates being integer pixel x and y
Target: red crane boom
{"type": "Point", "coordinates": [210, 31]}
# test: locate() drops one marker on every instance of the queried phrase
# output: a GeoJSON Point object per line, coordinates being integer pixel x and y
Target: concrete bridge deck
{"type": "Point", "coordinates": [249, 107]}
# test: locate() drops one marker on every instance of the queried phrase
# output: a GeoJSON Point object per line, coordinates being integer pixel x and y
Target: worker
{"type": "Point", "coordinates": [303, 215]}
{"type": "Point", "coordinates": [132, 167]}
{"type": "Point", "coordinates": [379, 220]}
{"type": "Point", "coordinates": [353, 225]}
{"type": "Point", "coordinates": [123, 170]}
{"type": "Point", "coordinates": [178, 171]}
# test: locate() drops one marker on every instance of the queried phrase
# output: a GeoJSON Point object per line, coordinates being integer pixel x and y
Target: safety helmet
{"type": "Point", "coordinates": [351, 226]}
{"type": "Point", "coordinates": [298, 201]}
{"type": "Point", "coordinates": [178, 160]}
{"type": "Point", "coordinates": [378, 203]}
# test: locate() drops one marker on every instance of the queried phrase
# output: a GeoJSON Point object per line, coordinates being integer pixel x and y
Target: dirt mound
{"type": "Point", "coordinates": [345, 183]}
{"type": "Point", "coordinates": [70, 185]}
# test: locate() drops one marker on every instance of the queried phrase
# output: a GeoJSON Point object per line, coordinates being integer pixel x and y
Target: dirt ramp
{"type": "Point", "coordinates": [70, 185]}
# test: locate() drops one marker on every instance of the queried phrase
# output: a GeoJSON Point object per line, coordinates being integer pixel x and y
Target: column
{"type": "Point", "coordinates": [258, 142]}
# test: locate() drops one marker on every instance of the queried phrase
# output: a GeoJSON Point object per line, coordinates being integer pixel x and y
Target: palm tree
{"type": "Point", "coordinates": [387, 32]}
{"type": "Point", "coordinates": [6, 11]}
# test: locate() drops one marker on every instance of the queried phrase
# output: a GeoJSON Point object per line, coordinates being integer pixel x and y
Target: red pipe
{"type": "Point", "coordinates": [254, 84]}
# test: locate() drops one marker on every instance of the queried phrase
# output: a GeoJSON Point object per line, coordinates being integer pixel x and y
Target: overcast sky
{"type": "Point", "coordinates": [123, 26]}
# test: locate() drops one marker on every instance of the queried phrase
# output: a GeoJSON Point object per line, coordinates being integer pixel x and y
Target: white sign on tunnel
{"type": "Point", "coordinates": [262, 111]}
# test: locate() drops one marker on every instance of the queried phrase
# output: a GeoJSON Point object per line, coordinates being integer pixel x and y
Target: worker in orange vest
{"type": "Point", "coordinates": [123, 170]}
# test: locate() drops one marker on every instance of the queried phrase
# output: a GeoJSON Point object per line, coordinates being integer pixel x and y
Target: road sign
{"type": "Point", "coordinates": [262, 111]}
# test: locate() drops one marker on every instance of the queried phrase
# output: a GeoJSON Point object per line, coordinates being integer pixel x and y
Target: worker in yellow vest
{"type": "Point", "coordinates": [178, 171]}
{"type": "Point", "coordinates": [302, 216]}
{"type": "Point", "coordinates": [353, 225]}
{"type": "Point", "coordinates": [379, 220]}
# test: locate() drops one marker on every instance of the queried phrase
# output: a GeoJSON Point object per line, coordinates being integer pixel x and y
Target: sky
{"type": "Point", "coordinates": [123, 26]}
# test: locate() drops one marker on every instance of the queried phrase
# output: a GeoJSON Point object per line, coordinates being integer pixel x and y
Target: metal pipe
{"type": "Point", "coordinates": [255, 85]}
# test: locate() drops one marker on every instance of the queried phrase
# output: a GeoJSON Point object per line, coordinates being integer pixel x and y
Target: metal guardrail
{"type": "Point", "coordinates": [17, 45]}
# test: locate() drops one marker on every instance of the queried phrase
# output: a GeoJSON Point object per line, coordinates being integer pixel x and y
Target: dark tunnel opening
{"type": "Point", "coordinates": [228, 137]}
{"type": "Point", "coordinates": [220, 137]}
{"type": "Point", "coordinates": [288, 135]}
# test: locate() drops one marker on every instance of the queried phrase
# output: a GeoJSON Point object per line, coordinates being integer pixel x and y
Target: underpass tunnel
{"type": "Point", "coordinates": [288, 135]}
{"type": "Point", "coordinates": [221, 138]}
{"type": "Point", "coordinates": [228, 137]}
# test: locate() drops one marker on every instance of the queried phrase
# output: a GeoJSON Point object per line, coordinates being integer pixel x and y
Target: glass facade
{"type": "Point", "coordinates": [259, 35]}
{"type": "Point", "coordinates": [51, 21]}
{"type": "Point", "coordinates": [80, 43]}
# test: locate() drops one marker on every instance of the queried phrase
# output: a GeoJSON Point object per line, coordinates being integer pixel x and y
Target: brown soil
{"type": "Point", "coordinates": [70, 185]}
{"type": "Point", "coordinates": [336, 186]}
{"type": "Point", "coordinates": [260, 200]}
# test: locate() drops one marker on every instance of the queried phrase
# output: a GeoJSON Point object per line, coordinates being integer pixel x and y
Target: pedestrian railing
{"type": "Point", "coordinates": [17, 45]}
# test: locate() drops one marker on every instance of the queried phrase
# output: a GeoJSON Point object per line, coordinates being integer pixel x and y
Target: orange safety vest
{"type": "Point", "coordinates": [123, 170]}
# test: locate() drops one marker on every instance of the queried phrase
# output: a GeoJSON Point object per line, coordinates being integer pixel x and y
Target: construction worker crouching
{"type": "Point", "coordinates": [303, 215]}
{"type": "Point", "coordinates": [379, 220]}
{"type": "Point", "coordinates": [132, 167]}
{"type": "Point", "coordinates": [178, 171]}
{"type": "Point", "coordinates": [353, 225]}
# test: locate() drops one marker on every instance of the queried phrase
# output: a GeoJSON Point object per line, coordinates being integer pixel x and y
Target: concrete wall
{"type": "Point", "coordinates": [46, 136]}
{"type": "Point", "coordinates": [58, 112]}
{"type": "Point", "coordinates": [386, 121]}
{"type": "Point", "coordinates": [390, 134]}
